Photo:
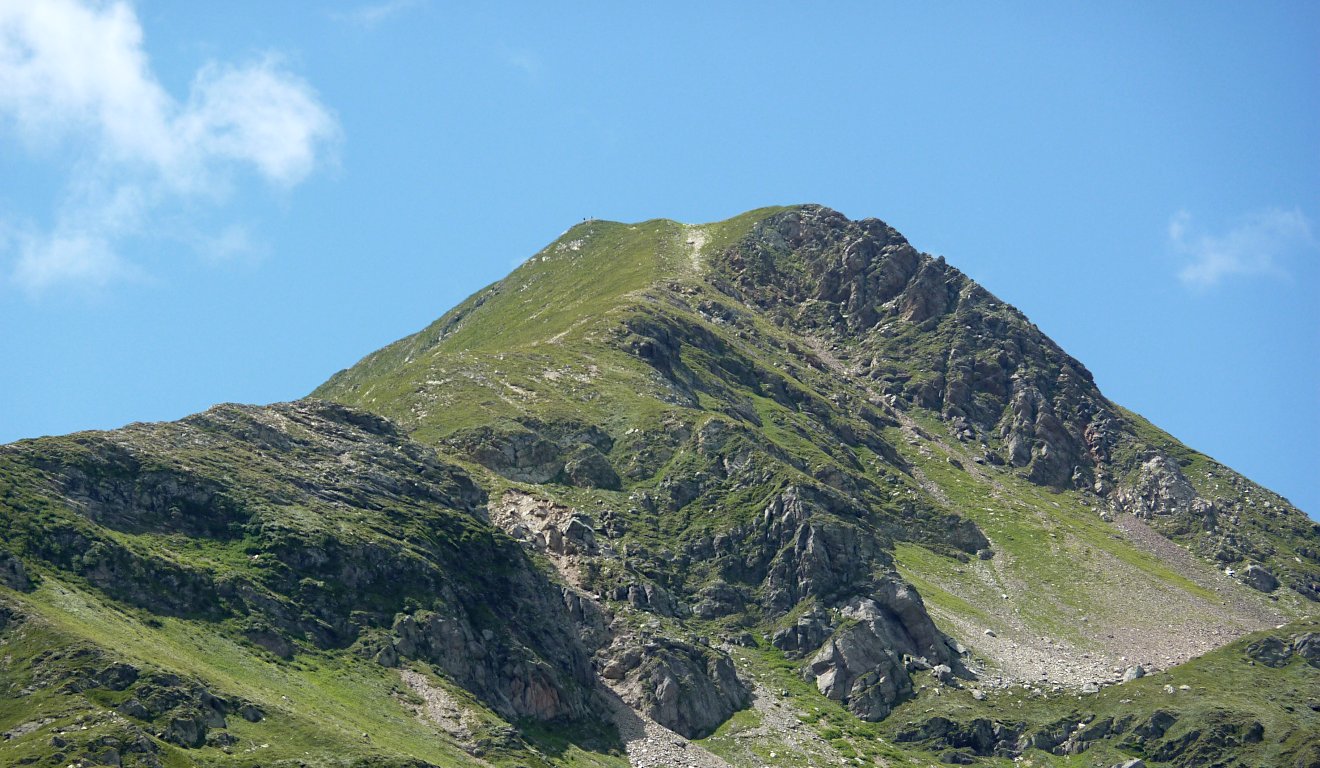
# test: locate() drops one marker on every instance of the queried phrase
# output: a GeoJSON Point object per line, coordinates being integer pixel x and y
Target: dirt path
{"type": "Point", "coordinates": [696, 240]}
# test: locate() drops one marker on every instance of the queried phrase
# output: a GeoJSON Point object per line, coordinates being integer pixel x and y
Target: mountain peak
{"type": "Point", "coordinates": [657, 474]}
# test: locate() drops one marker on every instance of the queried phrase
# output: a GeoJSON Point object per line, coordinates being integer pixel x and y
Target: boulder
{"type": "Point", "coordinates": [187, 729]}
{"type": "Point", "coordinates": [858, 669]}
{"type": "Point", "coordinates": [1307, 645]}
{"type": "Point", "coordinates": [1270, 651]}
{"type": "Point", "coordinates": [1259, 579]}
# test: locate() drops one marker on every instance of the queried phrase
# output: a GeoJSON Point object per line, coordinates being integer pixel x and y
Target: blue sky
{"type": "Point", "coordinates": [229, 202]}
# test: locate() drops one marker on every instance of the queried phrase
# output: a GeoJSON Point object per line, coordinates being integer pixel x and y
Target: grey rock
{"type": "Point", "coordinates": [719, 599]}
{"type": "Point", "coordinates": [805, 635]}
{"type": "Point", "coordinates": [651, 598]}
{"type": "Point", "coordinates": [690, 689]}
{"type": "Point", "coordinates": [588, 468]}
{"type": "Point", "coordinates": [1259, 578]}
{"type": "Point", "coordinates": [187, 729]}
{"type": "Point", "coordinates": [859, 669]}
{"type": "Point", "coordinates": [268, 639]}
{"type": "Point", "coordinates": [1133, 673]}
{"type": "Point", "coordinates": [1270, 651]}
{"type": "Point", "coordinates": [117, 676]}
{"type": "Point", "coordinates": [134, 708]}
{"type": "Point", "coordinates": [520, 455]}
{"type": "Point", "coordinates": [1307, 645]}
{"type": "Point", "coordinates": [501, 671]}
{"type": "Point", "coordinates": [1160, 490]}
{"type": "Point", "coordinates": [12, 572]}
{"type": "Point", "coordinates": [577, 537]}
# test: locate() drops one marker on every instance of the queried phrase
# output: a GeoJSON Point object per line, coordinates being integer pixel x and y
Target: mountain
{"type": "Point", "coordinates": [778, 490]}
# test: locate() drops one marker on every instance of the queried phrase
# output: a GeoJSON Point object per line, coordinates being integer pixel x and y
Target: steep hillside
{"type": "Point", "coordinates": [783, 485]}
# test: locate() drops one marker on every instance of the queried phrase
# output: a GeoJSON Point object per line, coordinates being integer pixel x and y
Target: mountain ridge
{"type": "Point", "coordinates": [662, 483]}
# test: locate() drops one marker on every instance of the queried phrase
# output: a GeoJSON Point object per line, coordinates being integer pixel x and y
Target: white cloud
{"type": "Point", "coordinates": [75, 80]}
{"type": "Point", "coordinates": [372, 14]}
{"type": "Point", "coordinates": [85, 258]}
{"type": "Point", "coordinates": [234, 244]}
{"type": "Point", "coordinates": [1255, 246]}
{"type": "Point", "coordinates": [524, 61]}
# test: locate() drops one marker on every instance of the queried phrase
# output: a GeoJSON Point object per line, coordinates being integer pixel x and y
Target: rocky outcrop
{"type": "Point", "coordinates": [509, 677]}
{"type": "Point", "coordinates": [544, 525]}
{"type": "Point", "coordinates": [183, 712]}
{"type": "Point", "coordinates": [13, 573]}
{"type": "Point", "coordinates": [808, 633]}
{"type": "Point", "coordinates": [980, 736]}
{"type": "Point", "coordinates": [862, 665]}
{"type": "Point", "coordinates": [1277, 651]}
{"type": "Point", "coordinates": [538, 452]}
{"type": "Point", "coordinates": [992, 374]}
{"type": "Point", "coordinates": [354, 533]}
{"type": "Point", "coordinates": [688, 688]}
{"type": "Point", "coordinates": [1160, 488]}
{"type": "Point", "coordinates": [1259, 578]}
{"type": "Point", "coordinates": [857, 669]}
{"type": "Point", "coordinates": [1214, 737]}
{"type": "Point", "coordinates": [520, 455]}
{"type": "Point", "coordinates": [816, 553]}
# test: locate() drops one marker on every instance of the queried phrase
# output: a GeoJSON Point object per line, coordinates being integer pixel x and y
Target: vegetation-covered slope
{"type": "Point", "coordinates": [775, 483]}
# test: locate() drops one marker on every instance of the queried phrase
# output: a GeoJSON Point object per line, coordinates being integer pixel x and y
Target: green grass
{"type": "Point", "coordinates": [1221, 681]}
{"type": "Point", "coordinates": [549, 344]}
{"type": "Point", "coordinates": [317, 706]}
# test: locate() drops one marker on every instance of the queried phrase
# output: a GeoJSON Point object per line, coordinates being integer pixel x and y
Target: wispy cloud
{"type": "Point", "coordinates": [1257, 244]}
{"type": "Point", "coordinates": [74, 76]}
{"type": "Point", "coordinates": [374, 13]}
{"type": "Point", "coordinates": [525, 61]}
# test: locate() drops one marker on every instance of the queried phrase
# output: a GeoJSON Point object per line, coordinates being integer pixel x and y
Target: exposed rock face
{"type": "Point", "coordinates": [857, 669]}
{"type": "Point", "coordinates": [521, 455]}
{"type": "Point", "coordinates": [993, 372]}
{"type": "Point", "coordinates": [515, 682]}
{"type": "Point", "coordinates": [689, 689]}
{"type": "Point", "coordinates": [862, 664]}
{"type": "Point", "coordinates": [184, 711]}
{"type": "Point", "coordinates": [322, 578]}
{"type": "Point", "coordinates": [536, 452]}
{"type": "Point", "coordinates": [1161, 489]}
{"type": "Point", "coordinates": [808, 633]}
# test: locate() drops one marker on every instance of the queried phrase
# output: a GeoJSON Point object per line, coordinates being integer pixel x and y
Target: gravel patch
{"type": "Point", "coordinates": [651, 745]}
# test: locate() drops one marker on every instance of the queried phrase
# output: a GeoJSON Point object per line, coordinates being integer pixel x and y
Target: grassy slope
{"type": "Point", "coordinates": [539, 343]}
{"type": "Point", "coordinates": [1223, 681]}
{"type": "Point", "coordinates": [317, 706]}
{"type": "Point", "coordinates": [491, 361]}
